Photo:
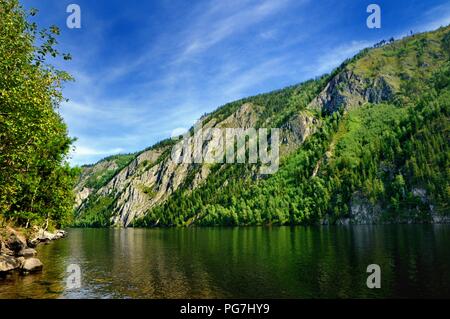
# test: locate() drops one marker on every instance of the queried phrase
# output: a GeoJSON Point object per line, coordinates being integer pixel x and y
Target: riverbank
{"type": "Point", "coordinates": [17, 248]}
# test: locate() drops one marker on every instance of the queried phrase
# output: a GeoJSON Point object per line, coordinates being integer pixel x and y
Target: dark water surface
{"type": "Point", "coordinates": [257, 262]}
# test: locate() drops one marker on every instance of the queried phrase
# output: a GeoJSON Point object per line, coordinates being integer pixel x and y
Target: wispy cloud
{"type": "Point", "coordinates": [436, 17]}
{"type": "Point", "coordinates": [83, 151]}
{"type": "Point", "coordinates": [155, 66]}
{"type": "Point", "coordinates": [215, 25]}
{"type": "Point", "coordinates": [332, 58]}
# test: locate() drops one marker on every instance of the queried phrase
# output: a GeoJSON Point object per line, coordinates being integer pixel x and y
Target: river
{"type": "Point", "coordinates": [253, 262]}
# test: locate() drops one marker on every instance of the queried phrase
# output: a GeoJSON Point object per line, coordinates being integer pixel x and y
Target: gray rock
{"type": "Point", "coordinates": [43, 236]}
{"type": "Point", "coordinates": [32, 243]}
{"type": "Point", "coordinates": [16, 242]}
{"type": "Point", "coordinates": [32, 265]}
{"type": "Point", "coordinates": [347, 90]}
{"type": "Point", "coordinates": [421, 194]}
{"type": "Point", "coordinates": [362, 211]}
{"type": "Point", "coordinates": [380, 91]}
{"type": "Point", "coordinates": [343, 221]}
{"type": "Point", "coordinates": [27, 253]}
{"type": "Point", "coordinates": [21, 261]}
{"type": "Point", "coordinates": [439, 218]}
{"type": "Point", "coordinates": [152, 169]}
{"type": "Point", "coordinates": [8, 263]}
{"type": "Point", "coordinates": [5, 250]}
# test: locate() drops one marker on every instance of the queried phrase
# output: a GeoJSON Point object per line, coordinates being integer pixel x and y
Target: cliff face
{"type": "Point", "coordinates": [152, 176]}
{"type": "Point", "coordinates": [348, 89]}
{"type": "Point", "coordinates": [126, 188]}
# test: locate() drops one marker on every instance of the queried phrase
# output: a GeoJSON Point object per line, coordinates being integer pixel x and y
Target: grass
{"type": "Point", "coordinates": [416, 58]}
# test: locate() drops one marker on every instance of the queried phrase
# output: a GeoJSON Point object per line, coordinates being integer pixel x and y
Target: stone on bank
{"type": "Point", "coordinates": [17, 253]}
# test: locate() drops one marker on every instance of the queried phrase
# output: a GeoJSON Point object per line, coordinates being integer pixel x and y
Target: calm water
{"type": "Point", "coordinates": [281, 262]}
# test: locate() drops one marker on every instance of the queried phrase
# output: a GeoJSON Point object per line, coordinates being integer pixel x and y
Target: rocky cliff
{"type": "Point", "coordinates": [152, 176]}
{"type": "Point", "coordinates": [123, 193]}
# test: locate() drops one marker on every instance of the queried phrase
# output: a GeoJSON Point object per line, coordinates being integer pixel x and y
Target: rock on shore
{"type": "Point", "coordinates": [17, 252]}
{"type": "Point", "coordinates": [31, 265]}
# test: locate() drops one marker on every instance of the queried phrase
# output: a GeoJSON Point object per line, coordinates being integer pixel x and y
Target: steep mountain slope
{"type": "Point", "coordinates": [152, 176]}
{"type": "Point", "coordinates": [368, 143]}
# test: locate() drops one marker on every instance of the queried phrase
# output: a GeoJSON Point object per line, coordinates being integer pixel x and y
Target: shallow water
{"type": "Point", "coordinates": [254, 262]}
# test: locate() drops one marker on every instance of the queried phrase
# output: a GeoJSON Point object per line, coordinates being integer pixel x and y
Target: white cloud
{"type": "Point", "coordinates": [436, 17]}
{"type": "Point", "coordinates": [269, 34]}
{"type": "Point", "coordinates": [81, 151]}
{"type": "Point", "coordinates": [212, 28]}
{"type": "Point", "coordinates": [242, 80]}
{"type": "Point", "coordinates": [334, 57]}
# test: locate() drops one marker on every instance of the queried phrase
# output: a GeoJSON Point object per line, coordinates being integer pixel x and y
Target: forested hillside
{"type": "Point", "coordinates": [368, 143]}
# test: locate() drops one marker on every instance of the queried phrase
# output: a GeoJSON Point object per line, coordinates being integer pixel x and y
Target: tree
{"type": "Point", "coordinates": [36, 182]}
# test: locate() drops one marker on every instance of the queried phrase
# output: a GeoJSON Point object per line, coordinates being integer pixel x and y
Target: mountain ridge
{"type": "Point", "coordinates": [139, 189]}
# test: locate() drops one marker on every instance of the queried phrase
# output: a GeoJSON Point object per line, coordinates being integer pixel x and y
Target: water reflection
{"type": "Point", "coordinates": [259, 262]}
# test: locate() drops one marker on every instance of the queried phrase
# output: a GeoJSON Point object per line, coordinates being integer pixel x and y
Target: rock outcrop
{"type": "Point", "coordinates": [153, 176]}
{"type": "Point", "coordinates": [364, 212]}
{"type": "Point", "coordinates": [374, 76]}
{"type": "Point", "coordinates": [15, 242]}
{"type": "Point", "coordinates": [348, 89]}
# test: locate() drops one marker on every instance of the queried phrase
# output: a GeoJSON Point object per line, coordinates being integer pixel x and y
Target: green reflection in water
{"type": "Point", "coordinates": [256, 262]}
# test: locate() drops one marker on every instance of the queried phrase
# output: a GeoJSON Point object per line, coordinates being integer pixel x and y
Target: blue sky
{"type": "Point", "coordinates": [145, 68]}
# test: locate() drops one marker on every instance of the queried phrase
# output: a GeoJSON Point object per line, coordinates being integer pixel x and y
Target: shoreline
{"type": "Point", "coordinates": [17, 249]}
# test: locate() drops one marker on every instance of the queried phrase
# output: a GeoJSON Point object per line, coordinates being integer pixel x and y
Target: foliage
{"type": "Point", "coordinates": [98, 213]}
{"type": "Point", "coordinates": [394, 155]}
{"type": "Point", "coordinates": [102, 177]}
{"type": "Point", "coordinates": [385, 152]}
{"type": "Point", "coordinates": [36, 182]}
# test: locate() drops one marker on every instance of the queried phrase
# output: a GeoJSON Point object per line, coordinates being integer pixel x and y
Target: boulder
{"type": "Point", "coordinates": [16, 242]}
{"type": "Point", "coordinates": [27, 253]}
{"type": "Point", "coordinates": [5, 250]}
{"type": "Point", "coordinates": [8, 263]}
{"type": "Point", "coordinates": [21, 261]}
{"type": "Point", "coordinates": [60, 233]}
{"type": "Point", "coordinates": [31, 265]}
{"type": "Point", "coordinates": [33, 242]}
